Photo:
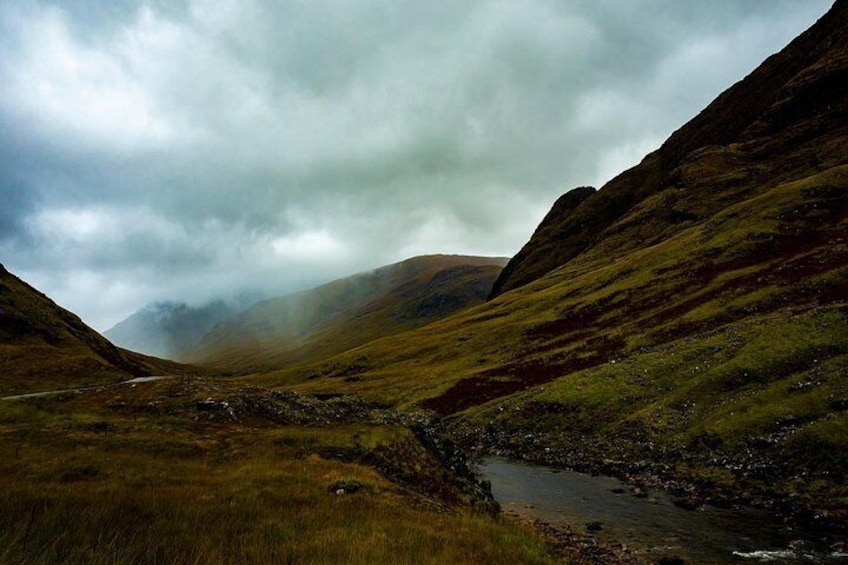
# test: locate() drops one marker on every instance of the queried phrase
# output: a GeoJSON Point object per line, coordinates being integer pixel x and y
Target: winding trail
{"type": "Point", "coordinates": [87, 388]}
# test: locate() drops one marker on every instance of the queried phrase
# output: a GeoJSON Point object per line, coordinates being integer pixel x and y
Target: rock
{"type": "Point", "coordinates": [639, 493]}
{"type": "Point", "coordinates": [346, 487]}
{"type": "Point", "coordinates": [486, 487]}
{"type": "Point", "coordinates": [207, 404]}
{"type": "Point", "coordinates": [686, 504]}
{"type": "Point", "coordinates": [594, 526]}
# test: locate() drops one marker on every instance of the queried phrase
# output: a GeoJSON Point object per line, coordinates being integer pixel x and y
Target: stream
{"type": "Point", "coordinates": [652, 524]}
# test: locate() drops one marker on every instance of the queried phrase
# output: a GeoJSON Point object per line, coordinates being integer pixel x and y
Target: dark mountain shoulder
{"type": "Point", "coordinates": [555, 230]}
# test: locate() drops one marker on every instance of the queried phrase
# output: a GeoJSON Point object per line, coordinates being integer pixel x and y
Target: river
{"type": "Point", "coordinates": [653, 524]}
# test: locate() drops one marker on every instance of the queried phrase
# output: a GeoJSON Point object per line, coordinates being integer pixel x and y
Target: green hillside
{"type": "Point", "coordinates": [348, 312]}
{"type": "Point", "coordinates": [45, 347]}
{"type": "Point", "coordinates": [700, 326]}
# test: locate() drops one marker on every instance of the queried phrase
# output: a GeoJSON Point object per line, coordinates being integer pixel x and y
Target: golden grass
{"type": "Point", "coordinates": [730, 332]}
{"type": "Point", "coordinates": [83, 484]}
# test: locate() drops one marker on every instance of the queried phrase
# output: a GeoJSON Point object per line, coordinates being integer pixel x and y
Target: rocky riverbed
{"type": "Point", "coordinates": [694, 480]}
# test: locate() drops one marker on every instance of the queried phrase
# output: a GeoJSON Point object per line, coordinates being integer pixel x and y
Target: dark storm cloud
{"type": "Point", "coordinates": [182, 150]}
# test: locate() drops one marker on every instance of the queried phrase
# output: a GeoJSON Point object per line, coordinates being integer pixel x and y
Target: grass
{"type": "Point", "coordinates": [704, 338]}
{"type": "Point", "coordinates": [341, 315]}
{"type": "Point", "coordinates": [758, 406]}
{"type": "Point", "coordinates": [92, 479]}
{"type": "Point", "coordinates": [45, 347]}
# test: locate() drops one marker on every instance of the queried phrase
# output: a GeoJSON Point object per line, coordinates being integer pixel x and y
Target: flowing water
{"type": "Point", "coordinates": [652, 524]}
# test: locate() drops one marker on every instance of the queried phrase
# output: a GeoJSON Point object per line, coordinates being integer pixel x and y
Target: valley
{"type": "Point", "coordinates": [666, 356]}
{"type": "Point", "coordinates": [193, 470]}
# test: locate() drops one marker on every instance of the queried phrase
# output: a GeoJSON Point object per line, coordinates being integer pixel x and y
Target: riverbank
{"type": "Point", "coordinates": [752, 477]}
{"type": "Point", "coordinates": [205, 441]}
{"type": "Point", "coordinates": [603, 516]}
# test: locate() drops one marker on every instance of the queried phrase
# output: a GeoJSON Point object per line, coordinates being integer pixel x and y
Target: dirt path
{"type": "Point", "coordinates": [86, 388]}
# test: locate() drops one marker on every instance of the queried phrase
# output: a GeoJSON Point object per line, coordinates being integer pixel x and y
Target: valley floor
{"type": "Point", "coordinates": [189, 471]}
{"type": "Point", "coordinates": [201, 470]}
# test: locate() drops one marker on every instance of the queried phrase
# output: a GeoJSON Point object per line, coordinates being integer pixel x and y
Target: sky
{"type": "Point", "coordinates": [194, 149]}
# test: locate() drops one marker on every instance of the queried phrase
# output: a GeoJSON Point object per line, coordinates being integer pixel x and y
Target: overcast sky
{"type": "Point", "coordinates": [192, 149]}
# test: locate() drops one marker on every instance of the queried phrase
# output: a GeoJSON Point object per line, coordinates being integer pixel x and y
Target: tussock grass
{"type": "Point", "coordinates": [88, 485]}
{"type": "Point", "coordinates": [724, 341]}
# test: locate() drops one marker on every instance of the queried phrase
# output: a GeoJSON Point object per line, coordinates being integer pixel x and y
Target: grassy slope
{"type": "Point", "coordinates": [592, 311]}
{"type": "Point", "coordinates": [698, 318]}
{"type": "Point", "coordinates": [349, 312]}
{"type": "Point", "coordinates": [715, 333]}
{"type": "Point", "coordinates": [45, 347]}
{"type": "Point", "coordinates": [140, 475]}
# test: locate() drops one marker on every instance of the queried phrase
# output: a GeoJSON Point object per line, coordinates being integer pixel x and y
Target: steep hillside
{"type": "Point", "coordinates": [782, 122]}
{"type": "Point", "coordinates": [165, 329]}
{"type": "Point", "coordinates": [544, 251]}
{"type": "Point", "coordinates": [697, 326]}
{"type": "Point", "coordinates": [348, 312]}
{"type": "Point", "coordinates": [45, 347]}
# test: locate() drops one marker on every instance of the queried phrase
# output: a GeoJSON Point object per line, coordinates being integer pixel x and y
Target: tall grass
{"type": "Point", "coordinates": [103, 494]}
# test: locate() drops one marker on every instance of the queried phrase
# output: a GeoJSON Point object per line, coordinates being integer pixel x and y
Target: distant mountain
{"type": "Point", "coordinates": [348, 312]}
{"type": "Point", "coordinates": [687, 320]}
{"type": "Point", "coordinates": [165, 329]}
{"type": "Point", "coordinates": [45, 347]}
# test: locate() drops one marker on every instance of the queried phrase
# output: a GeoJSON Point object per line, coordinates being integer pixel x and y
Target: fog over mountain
{"type": "Point", "coordinates": [191, 150]}
{"type": "Point", "coordinates": [163, 329]}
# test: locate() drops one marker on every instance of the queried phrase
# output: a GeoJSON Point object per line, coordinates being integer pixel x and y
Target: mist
{"type": "Point", "coordinates": [190, 151]}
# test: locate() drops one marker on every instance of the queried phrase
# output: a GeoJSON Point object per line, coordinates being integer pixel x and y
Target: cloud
{"type": "Point", "coordinates": [186, 150]}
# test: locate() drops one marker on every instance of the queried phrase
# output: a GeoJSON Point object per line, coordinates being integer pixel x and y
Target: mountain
{"type": "Point", "coordinates": [544, 252]}
{"type": "Point", "coordinates": [766, 129]}
{"type": "Point", "coordinates": [688, 320]}
{"type": "Point", "coordinates": [165, 329]}
{"type": "Point", "coordinates": [349, 312]}
{"type": "Point", "coordinates": [45, 347]}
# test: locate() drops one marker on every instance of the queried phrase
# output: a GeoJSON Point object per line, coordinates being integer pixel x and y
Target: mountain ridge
{"type": "Point", "coordinates": [805, 79]}
{"type": "Point", "coordinates": [347, 312]}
